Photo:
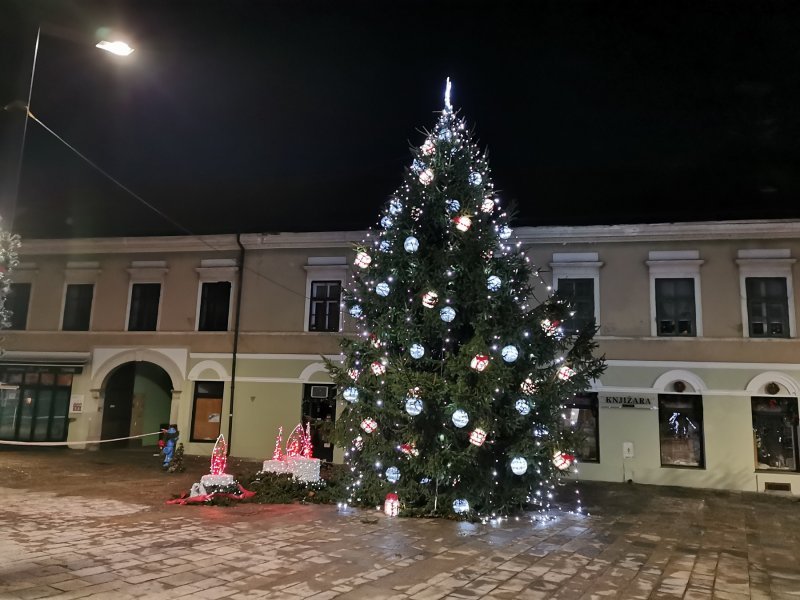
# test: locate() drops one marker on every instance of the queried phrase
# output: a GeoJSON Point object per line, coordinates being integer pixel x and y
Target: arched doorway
{"type": "Point", "coordinates": [137, 400]}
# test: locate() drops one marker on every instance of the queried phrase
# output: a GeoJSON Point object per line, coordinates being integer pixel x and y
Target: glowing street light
{"type": "Point", "coordinates": [118, 48]}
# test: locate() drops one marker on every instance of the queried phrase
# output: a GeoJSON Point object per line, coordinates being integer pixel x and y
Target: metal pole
{"type": "Point", "coordinates": [235, 339]}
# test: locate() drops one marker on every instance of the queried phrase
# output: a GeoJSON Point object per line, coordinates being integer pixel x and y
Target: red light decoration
{"type": "Point", "coordinates": [565, 373]}
{"type": "Point", "coordinates": [277, 454]}
{"type": "Point", "coordinates": [378, 368]}
{"type": "Point", "coordinates": [562, 460]}
{"type": "Point", "coordinates": [391, 506]}
{"type": "Point", "coordinates": [219, 456]}
{"type": "Point", "coordinates": [463, 223]}
{"type": "Point", "coordinates": [369, 425]}
{"type": "Point", "coordinates": [409, 449]}
{"type": "Point", "coordinates": [477, 437]}
{"type": "Point", "coordinates": [479, 362]}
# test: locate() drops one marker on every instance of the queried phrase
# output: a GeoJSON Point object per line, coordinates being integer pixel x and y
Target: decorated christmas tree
{"type": "Point", "coordinates": [455, 383]}
{"type": "Point", "coordinates": [9, 243]}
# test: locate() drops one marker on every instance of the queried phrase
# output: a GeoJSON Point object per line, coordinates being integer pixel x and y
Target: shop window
{"type": "Point", "coordinates": [37, 409]}
{"type": "Point", "coordinates": [680, 427]}
{"type": "Point", "coordinates": [324, 307]}
{"type": "Point", "coordinates": [675, 309]}
{"type": "Point", "coordinates": [581, 416]}
{"type": "Point", "coordinates": [775, 433]}
{"type": "Point", "coordinates": [19, 295]}
{"type": "Point", "coordinates": [143, 315]}
{"type": "Point", "coordinates": [580, 294]}
{"type": "Point", "coordinates": [319, 409]}
{"type": "Point", "coordinates": [78, 307]}
{"type": "Point", "coordinates": [207, 411]}
{"type": "Point", "coordinates": [767, 307]}
{"type": "Point", "coordinates": [215, 303]}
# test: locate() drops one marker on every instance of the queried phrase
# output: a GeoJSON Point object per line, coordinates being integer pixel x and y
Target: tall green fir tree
{"type": "Point", "coordinates": [455, 381]}
{"type": "Point", "coordinates": [9, 260]}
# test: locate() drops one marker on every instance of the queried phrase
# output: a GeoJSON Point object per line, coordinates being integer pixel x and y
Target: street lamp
{"type": "Point", "coordinates": [114, 47]}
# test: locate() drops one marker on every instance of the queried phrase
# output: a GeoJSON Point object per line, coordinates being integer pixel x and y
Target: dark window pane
{"type": "Point", "coordinates": [215, 299]}
{"type": "Point", "coordinates": [78, 307]}
{"type": "Point", "coordinates": [58, 424]}
{"type": "Point", "coordinates": [680, 425]}
{"type": "Point", "coordinates": [144, 306]}
{"type": "Point", "coordinates": [675, 306]}
{"type": "Point", "coordinates": [767, 306]}
{"type": "Point", "coordinates": [42, 415]}
{"type": "Point", "coordinates": [19, 296]}
{"type": "Point", "coordinates": [9, 413]}
{"type": "Point", "coordinates": [581, 416]}
{"type": "Point", "coordinates": [580, 295]}
{"type": "Point", "coordinates": [775, 433]}
{"type": "Point", "coordinates": [324, 306]}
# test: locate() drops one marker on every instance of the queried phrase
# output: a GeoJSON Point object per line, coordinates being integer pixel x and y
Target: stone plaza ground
{"type": "Point", "coordinates": [77, 524]}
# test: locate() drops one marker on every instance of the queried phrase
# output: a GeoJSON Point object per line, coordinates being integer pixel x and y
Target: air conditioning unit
{"type": "Point", "coordinates": [319, 391]}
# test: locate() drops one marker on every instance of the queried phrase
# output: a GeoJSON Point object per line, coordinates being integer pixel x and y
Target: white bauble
{"type": "Point", "coordinates": [393, 474]}
{"type": "Point", "coordinates": [475, 178]}
{"type": "Point", "coordinates": [523, 406]}
{"type": "Point", "coordinates": [460, 418]}
{"type": "Point", "coordinates": [447, 314]}
{"type": "Point", "coordinates": [355, 310]}
{"type": "Point", "coordinates": [504, 232]}
{"type": "Point", "coordinates": [386, 222]}
{"type": "Point", "coordinates": [493, 283]}
{"type": "Point", "coordinates": [510, 353]}
{"type": "Point", "coordinates": [413, 406]}
{"type": "Point", "coordinates": [417, 351]}
{"type": "Point", "coordinates": [411, 244]}
{"type": "Point", "coordinates": [350, 394]}
{"type": "Point", "coordinates": [395, 206]}
{"type": "Point", "coordinates": [382, 289]}
{"type": "Point", "coordinates": [519, 465]}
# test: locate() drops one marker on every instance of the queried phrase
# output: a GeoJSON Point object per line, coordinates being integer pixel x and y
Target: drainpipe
{"type": "Point", "coordinates": [235, 339]}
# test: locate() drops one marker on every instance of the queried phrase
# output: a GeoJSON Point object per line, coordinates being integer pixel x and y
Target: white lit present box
{"type": "Point", "coordinates": [217, 480]}
{"type": "Point", "coordinates": [305, 469]}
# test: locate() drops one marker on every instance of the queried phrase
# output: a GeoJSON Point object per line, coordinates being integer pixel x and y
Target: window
{"type": "Point", "coordinates": [675, 304]}
{"type": "Point", "coordinates": [576, 275]}
{"type": "Point", "coordinates": [143, 315]}
{"type": "Point", "coordinates": [775, 433]}
{"type": "Point", "coordinates": [19, 296]}
{"type": "Point", "coordinates": [581, 416]}
{"type": "Point", "coordinates": [580, 293]}
{"type": "Point", "coordinates": [680, 428]}
{"type": "Point", "coordinates": [207, 411]}
{"type": "Point", "coordinates": [215, 302]}
{"type": "Point", "coordinates": [767, 307]}
{"type": "Point", "coordinates": [324, 307]}
{"type": "Point", "coordinates": [78, 307]}
{"type": "Point", "coordinates": [36, 411]}
{"type": "Point", "coordinates": [675, 307]}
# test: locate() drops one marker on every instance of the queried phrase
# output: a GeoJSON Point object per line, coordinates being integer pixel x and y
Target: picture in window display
{"type": "Point", "coordinates": [775, 433]}
{"type": "Point", "coordinates": [680, 424]}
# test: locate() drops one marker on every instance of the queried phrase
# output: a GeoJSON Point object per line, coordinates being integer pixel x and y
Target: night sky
{"type": "Point", "coordinates": [294, 115]}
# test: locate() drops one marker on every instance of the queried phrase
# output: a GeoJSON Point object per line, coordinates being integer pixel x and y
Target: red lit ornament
{"type": "Point", "coordinates": [565, 373]}
{"type": "Point", "coordinates": [463, 223]}
{"type": "Point", "coordinates": [430, 299]}
{"type": "Point", "coordinates": [378, 368]}
{"type": "Point", "coordinates": [409, 449]}
{"type": "Point", "coordinates": [562, 460]}
{"type": "Point", "coordinates": [477, 437]}
{"type": "Point", "coordinates": [369, 425]}
{"type": "Point", "coordinates": [479, 362]}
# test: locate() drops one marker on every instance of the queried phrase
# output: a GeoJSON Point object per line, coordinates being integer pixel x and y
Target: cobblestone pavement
{"type": "Point", "coordinates": [638, 542]}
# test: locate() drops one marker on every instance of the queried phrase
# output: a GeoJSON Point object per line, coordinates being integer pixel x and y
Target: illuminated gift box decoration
{"type": "Point", "coordinates": [565, 373]}
{"type": "Point", "coordinates": [463, 223]}
{"type": "Point", "coordinates": [426, 177]}
{"type": "Point", "coordinates": [477, 437]}
{"type": "Point", "coordinates": [362, 260]}
{"type": "Point", "coordinates": [391, 506]}
{"type": "Point", "coordinates": [430, 299]}
{"type": "Point", "coordinates": [378, 368]}
{"type": "Point", "coordinates": [562, 460]}
{"type": "Point", "coordinates": [479, 362]}
{"type": "Point", "coordinates": [369, 425]}
{"type": "Point", "coordinates": [487, 205]}
{"type": "Point", "coordinates": [297, 461]}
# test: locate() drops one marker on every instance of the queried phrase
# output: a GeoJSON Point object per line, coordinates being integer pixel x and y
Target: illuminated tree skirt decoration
{"type": "Point", "coordinates": [504, 232]}
{"type": "Point", "coordinates": [565, 373]}
{"type": "Point", "coordinates": [378, 368]}
{"type": "Point", "coordinates": [356, 311]}
{"type": "Point", "coordinates": [426, 177]}
{"type": "Point", "coordinates": [386, 222]}
{"type": "Point", "coordinates": [562, 460]}
{"type": "Point", "coordinates": [493, 283]}
{"type": "Point", "coordinates": [460, 418]}
{"type": "Point", "coordinates": [479, 362]}
{"type": "Point", "coordinates": [350, 394]}
{"type": "Point", "coordinates": [395, 207]}
{"type": "Point", "coordinates": [411, 244]}
{"type": "Point", "coordinates": [510, 353]}
{"type": "Point", "coordinates": [385, 246]}
{"type": "Point", "coordinates": [463, 223]}
{"type": "Point", "coordinates": [460, 506]}
{"type": "Point", "coordinates": [519, 465]}
{"type": "Point", "coordinates": [475, 178]}
{"type": "Point", "coordinates": [413, 406]}
{"type": "Point", "coordinates": [452, 205]}
{"type": "Point", "coordinates": [428, 148]}
{"type": "Point", "coordinates": [369, 425]}
{"type": "Point", "coordinates": [523, 406]}
{"type": "Point", "coordinates": [487, 205]}
{"type": "Point", "coordinates": [391, 505]}
{"type": "Point", "coordinates": [430, 299]}
{"type": "Point", "coordinates": [392, 474]}
{"type": "Point", "coordinates": [362, 260]}
{"type": "Point", "coordinates": [477, 437]}
{"type": "Point", "coordinates": [353, 373]}
{"type": "Point", "coordinates": [417, 351]}
{"type": "Point", "coordinates": [528, 386]}
{"type": "Point", "coordinates": [447, 314]}
{"type": "Point", "coordinates": [382, 289]}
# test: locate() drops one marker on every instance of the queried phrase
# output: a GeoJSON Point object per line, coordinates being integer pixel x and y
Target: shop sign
{"type": "Point", "coordinates": [76, 403]}
{"type": "Point", "coordinates": [623, 400]}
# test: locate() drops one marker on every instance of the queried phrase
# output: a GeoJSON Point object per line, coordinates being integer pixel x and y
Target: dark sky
{"type": "Point", "coordinates": [296, 115]}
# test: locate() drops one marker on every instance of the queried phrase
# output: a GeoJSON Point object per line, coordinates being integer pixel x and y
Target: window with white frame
{"type": "Point", "coordinates": [576, 276]}
{"type": "Point", "coordinates": [144, 294]}
{"type": "Point", "coordinates": [767, 300]}
{"type": "Point", "coordinates": [675, 301]}
{"type": "Point", "coordinates": [215, 293]}
{"type": "Point", "coordinates": [325, 277]}
{"type": "Point", "coordinates": [19, 295]}
{"type": "Point", "coordinates": [80, 277]}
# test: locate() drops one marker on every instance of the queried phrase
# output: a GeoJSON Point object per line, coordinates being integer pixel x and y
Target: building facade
{"type": "Point", "coordinates": [227, 334]}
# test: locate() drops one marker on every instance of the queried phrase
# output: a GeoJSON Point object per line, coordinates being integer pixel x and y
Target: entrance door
{"type": "Point", "coordinates": [118, 405]}
{"type": "Point", "coordinates": [319, 409]}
